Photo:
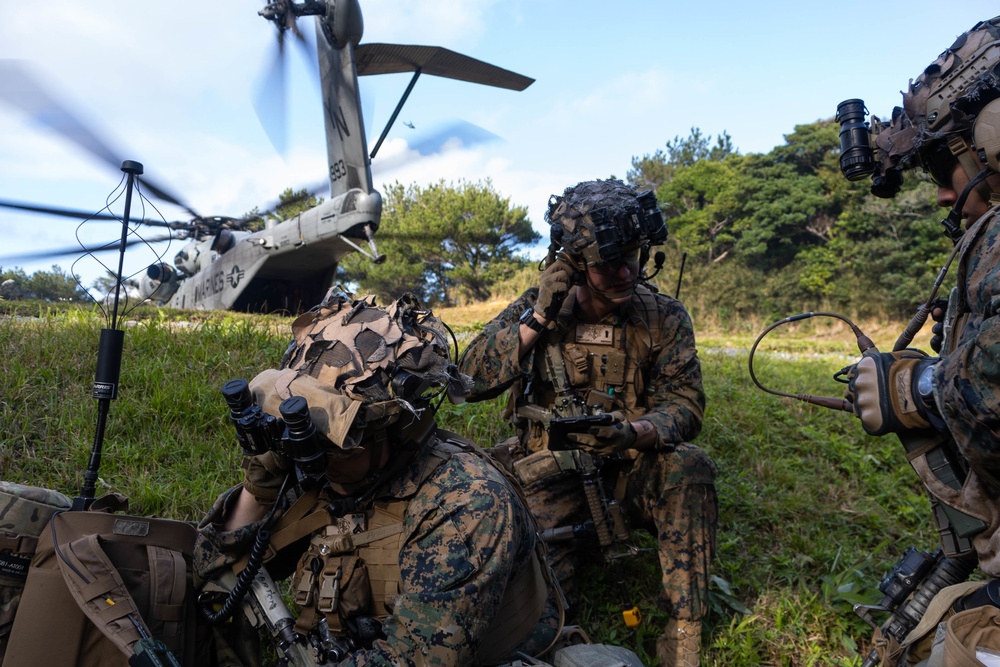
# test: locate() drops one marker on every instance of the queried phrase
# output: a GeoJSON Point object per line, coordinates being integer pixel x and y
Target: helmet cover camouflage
{"type": "Point", "coordinates": [943, 102]}
{"type": "Point", "coordinates": [24, 513]}
{"type": "Point", "coordinates": [356, 363]}
{"type": "Point", "coordinates": [598, 220]}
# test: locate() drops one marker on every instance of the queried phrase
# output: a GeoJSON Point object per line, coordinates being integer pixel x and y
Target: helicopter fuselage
{"type": "Point", "coordinates": [277, 268]}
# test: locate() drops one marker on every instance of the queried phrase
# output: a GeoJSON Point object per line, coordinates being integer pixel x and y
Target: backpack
{"type": "Point", "coordinates": [24, 512]}
{"type": "Point", "coordinates": [102, 582]}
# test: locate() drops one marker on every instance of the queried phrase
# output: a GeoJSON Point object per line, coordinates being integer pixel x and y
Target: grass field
{"type": "Point", "coordinates": [813, 511]}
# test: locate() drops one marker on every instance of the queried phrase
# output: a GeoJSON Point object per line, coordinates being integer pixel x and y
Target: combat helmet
{"type": "Point", "coordinates": [599, 221]}
{"type": "Point", "coordinates": [949, 113]}
{"type": "Point", "coordinates": [363, 368]}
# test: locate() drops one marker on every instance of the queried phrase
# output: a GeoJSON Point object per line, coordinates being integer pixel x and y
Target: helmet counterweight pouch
{"type": "Point", "coordinates": [94, 577]}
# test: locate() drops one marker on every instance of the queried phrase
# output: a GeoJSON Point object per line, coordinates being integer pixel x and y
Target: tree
{"type": "Point", "coordinates": [105, 284]}
{"type": "Point", "coordinates": [699, 203]}
{"type": "Point", "coordinates": [292, 202]}
{"type": "Point", "coordinates": [775, 204]}
{"type": "Point", "coordinates": [12, 284]}
{"type": "Point", "coordinates": [651, 171]}
{"type": "Point", "coordinates": [54, 285]}
{"type": "Point", "coordinates": [894, 247]}
{"type": "Point", "coordinates": [448, 243]}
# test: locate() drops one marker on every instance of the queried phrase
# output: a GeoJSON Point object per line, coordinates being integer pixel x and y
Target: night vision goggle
{"type": "Point", "coordinates": [857, 155]}
{"type": "Point", "coordinates": [615, 234]}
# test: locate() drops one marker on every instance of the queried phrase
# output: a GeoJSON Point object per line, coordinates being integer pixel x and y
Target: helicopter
{"type": "Point", "coordinates": [290, 263]}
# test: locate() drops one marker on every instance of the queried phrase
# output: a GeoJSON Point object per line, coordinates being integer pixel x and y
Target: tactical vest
{"type": "Point", "coordinates": [604, 362]}
{"type": "Point", "coordinates": [349, 573]}
{"type": "Point", "coordinates": [968, 516]}
{"type": "Point", "coordinates": [350, 569]}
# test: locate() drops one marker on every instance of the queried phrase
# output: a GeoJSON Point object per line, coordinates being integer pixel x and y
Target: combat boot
{"type": "Point", "coordinates": [680, 644]}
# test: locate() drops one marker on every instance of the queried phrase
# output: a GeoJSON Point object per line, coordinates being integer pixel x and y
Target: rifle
{"type": "Point", "coordinates": [266, 610]}
{"type": "Point", "coordinates": [921, 574]}
{"type": "Point", "coordinates": [560, 427]}
{"type": "Point", "coordinates": [568, 413]}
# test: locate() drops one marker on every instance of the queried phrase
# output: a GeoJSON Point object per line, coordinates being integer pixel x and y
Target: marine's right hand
{"type": "Point", "coordinates": [553, 288]}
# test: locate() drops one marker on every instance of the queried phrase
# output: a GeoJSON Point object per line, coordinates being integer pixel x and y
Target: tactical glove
{"type": "Point", "coordinates": [882, 387]}
{"type": "Point", "coordinates": [263, 476]}
{"type": "Point", "coordinates": [606, 440]}
{"type": "Point", "coordinates": [552, 289]}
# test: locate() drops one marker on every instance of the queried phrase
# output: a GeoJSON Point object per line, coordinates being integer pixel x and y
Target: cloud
{"type": "Point", "coordinates": [451, 23]}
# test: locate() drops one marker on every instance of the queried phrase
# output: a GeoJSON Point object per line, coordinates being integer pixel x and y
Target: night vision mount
{"type": "Point", "coordinates": [642, 222]}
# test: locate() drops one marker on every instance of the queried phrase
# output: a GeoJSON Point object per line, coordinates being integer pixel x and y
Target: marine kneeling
{"type": "Point", "coordinates": [404, 543]}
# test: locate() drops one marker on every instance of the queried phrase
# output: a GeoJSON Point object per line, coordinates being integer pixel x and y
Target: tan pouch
{"type": "Point", "coordinates": [543, 464]}
{"type": "Point", "coordinates": [972, 638]}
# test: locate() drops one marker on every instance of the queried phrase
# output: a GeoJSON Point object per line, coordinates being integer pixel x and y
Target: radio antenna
{"type": "Point", "coordinates": [109, 357]}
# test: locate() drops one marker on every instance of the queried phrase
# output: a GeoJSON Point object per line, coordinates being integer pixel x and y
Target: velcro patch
{"type": "Point", "coordinates": [131, 527]}
{"type": "Point", "coordinates": [595, 334]}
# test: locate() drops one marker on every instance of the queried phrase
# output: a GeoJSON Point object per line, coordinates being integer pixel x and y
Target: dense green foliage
{"type": "Point", "coordinates": [651, 171]}
{"type": "Point", "coordinates": [782, 232]}
{"type": "Point", "coordinates": [448, 243]}
{"type": "Point", "coordinates": [290, 203]}
{"type": "Point", "coordinates": [813, 512]}
{"type": "Point", "coordinates": [53, 285]}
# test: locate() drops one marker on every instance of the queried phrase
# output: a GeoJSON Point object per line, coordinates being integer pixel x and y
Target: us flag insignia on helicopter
{"type": "Point", "coordinates": [235, 276]}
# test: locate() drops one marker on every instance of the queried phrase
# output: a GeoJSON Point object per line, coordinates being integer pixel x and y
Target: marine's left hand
{"type": "Point", "coordinates": [606, 440]}
{"type": "Point", "coordinates": [882, 388]}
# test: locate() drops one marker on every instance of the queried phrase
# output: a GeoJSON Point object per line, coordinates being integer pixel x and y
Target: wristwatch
{"type": "Point", "coordinates": [925, 388]}
{"type": "Point", "coordinates": [528, 320]}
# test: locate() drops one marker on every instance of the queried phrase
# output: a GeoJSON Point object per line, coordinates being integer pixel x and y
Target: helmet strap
{"type": "Point", "coordinates": [966, 157]}
{"type": "Point", "coordinates": [414, 436]}
{"type": "Point", "coordinates": [953, 223]}
{"type": "Point", "coordinates": [608, 298]}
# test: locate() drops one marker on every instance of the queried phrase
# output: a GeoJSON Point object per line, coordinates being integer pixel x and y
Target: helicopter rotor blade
{"type": "Point", "coordinates": [83, 215]}
{"type": "Point", "coordinates": [21, 89]}
{"type": "Point", "coordinates": [307, 46]}
{"type": "Point", "coordinates": [464, 132]}
{"type": "Point", "coordinates": [443, 138]}
{"type": "Point", "coordinates": [450, 135]}
{"type": "Point", "coordinates": [86, 250]}
{"type": "Point", "coordinates": [270, 98]}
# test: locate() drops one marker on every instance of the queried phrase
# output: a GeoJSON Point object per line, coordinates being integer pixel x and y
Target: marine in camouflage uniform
{"type": "Point", "coordinates": [946, 409]}
{"type": "Point", "coordinates": [628, 351]}
{"type": "Point", "coordinates": [444, 551]}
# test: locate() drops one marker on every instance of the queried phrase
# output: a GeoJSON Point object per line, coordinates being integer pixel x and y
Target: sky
{"type": "Point", "coordinates": [171, 85]}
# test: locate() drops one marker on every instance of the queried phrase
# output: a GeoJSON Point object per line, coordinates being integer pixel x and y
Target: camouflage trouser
{"type": "Point", "coordinates": [671, 494]}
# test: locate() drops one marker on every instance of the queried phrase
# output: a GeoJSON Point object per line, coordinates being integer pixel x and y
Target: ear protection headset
{"type": "Point", "coordinates": [986, 134]}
